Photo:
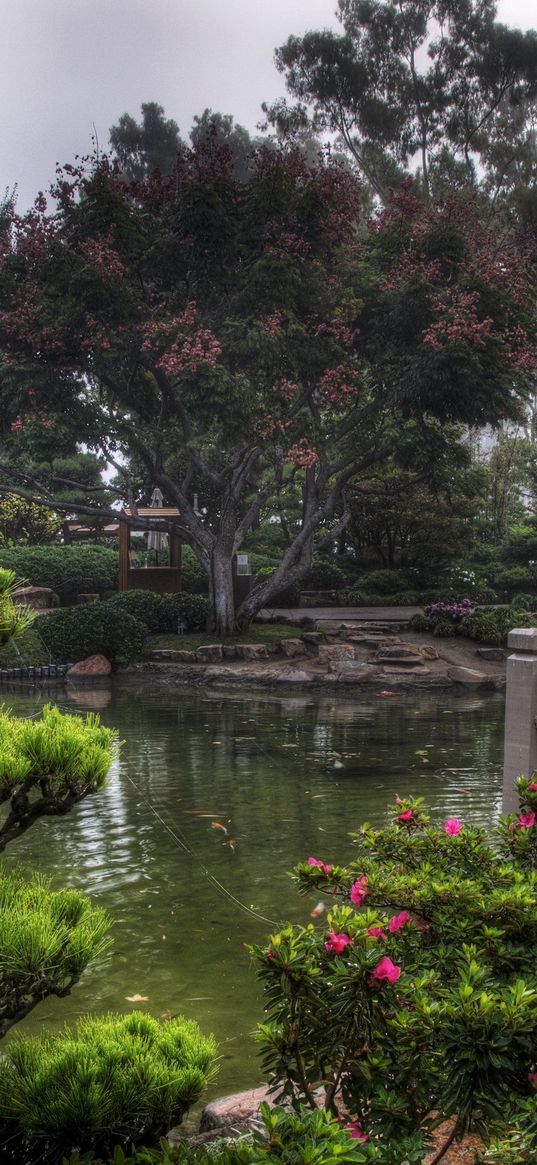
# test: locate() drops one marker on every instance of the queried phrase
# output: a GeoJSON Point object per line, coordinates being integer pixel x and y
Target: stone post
{"type": "Point", "coordinates": [520, 745]}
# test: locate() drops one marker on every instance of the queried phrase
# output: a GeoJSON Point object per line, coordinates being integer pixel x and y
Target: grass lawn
{"type": "Point", "coordinates": [258, 633]}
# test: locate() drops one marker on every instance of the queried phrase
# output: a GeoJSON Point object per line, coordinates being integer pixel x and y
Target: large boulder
{"type": "Point", "coordinates": [211, 653]}
{"type": "Point", "coordinates": [94, 667]}
{"type": "Point", "coordinates": [292, 647]}
{"type": "Point", "coordinates": [361, 674]}
{"type": "Point", "coordinates": [293, 675]}
{"type": "Point", "coordinates": [232, 1110]}
{"type": "Point", "coordinates": [40, 598]}
{"type": "Point", "coordinates": [470, 678]}
{"type": "Point", "coordinates": [252, 651]}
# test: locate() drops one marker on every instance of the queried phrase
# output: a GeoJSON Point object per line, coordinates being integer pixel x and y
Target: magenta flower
{"type": "Point", "coordinates": [386, 970]}
{"type": "Point", "coordinates": [337, 942]}
{"type": "Point", "coordinates": [526, 820]}
{"type": "Point", "coordinates": [453, 826]}
{"type": "Point", "coordinates": [376, 931]}
{"type": "Point", "coordinates": [407, 815]}
{"type": "Point", "coordinates": [321, 865]}
{"type": "Point", "coordinates": [532, 788]}
{"type": "Point", "coordinates": [269, 954]}
{"type": "Point", "coordinates": [358, 891]}
{"type": "Point", "coordinates": [532, 1077]}
{"type": "Point", "coordinates": [399, 921]}
{"type": "Point", "coordinates": [354, 1129]}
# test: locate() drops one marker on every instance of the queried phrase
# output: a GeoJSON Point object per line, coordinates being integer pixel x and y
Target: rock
{"type": "Point", "coordinates": [493, 653]}
{"type": "Point", "coordinates": [173, 655]}
{"type": "Point", "coordinates": [470, 678]}
{"type": "Point", "coordinates": [230, 651]}
{"type": "Point", "coordinates": [369, 640]}
{"type": "Point", "coordinates": [427, 651]}
{"type": "Point", "coordinates": [40, 598]}
{"type": "Point", "coordinates": [183, 656]}
{"type": "Point", "coordinates": [293, 675]}
{"type": "Point", "coordinates": [399, 653]}
{"type": "Point", "coordinates": [252, 651]}
{"type": "Point", "coordinates": [339, 666]}
{"type": "Point", "coordinates": [330, 652]}
{"type": "Point", "coordinates": [88, 597]}
{"type": "Point", "coordinates": [292, 647]}
{"type": "Point", "coordinates": [406, 670]}
{"type": "Point", "coordinates": [229, 1110]}
{"type": "Point", "coordinates": [213, 672]}
{"type": "Point", "coordinates": [360, 675]}
{"type": "Point", "coordinates": [313, 638]}
{"type": "Point", "coordinates": [91, 668]}
{"type": "Point", "coordinates": [209, 654]}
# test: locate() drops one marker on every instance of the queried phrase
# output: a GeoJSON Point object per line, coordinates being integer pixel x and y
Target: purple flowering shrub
{"type": "Point", "coordinates": [456, 610]}
{"type": "Point", "coordinates": [414, 999]}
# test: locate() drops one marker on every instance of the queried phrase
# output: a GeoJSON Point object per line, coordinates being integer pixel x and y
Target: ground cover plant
{"type": "Point", "coordinates": [271, 633]}
{"type": "Point", "coordinates": [417, 1000]}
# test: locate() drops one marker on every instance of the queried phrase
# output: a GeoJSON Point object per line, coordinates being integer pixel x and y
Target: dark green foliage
{"type": "Point", "coordinates": [69, 570]}
{"type": "Point", "coordinates": [324, 575]}
{"type": "Point", "coordinates": [146, 606]}
{"type": "Point", "coordinates": [509, 580]}
{"type": "Point", "coordinates": [46, 940]}
{"type": "Point", "coordinates": [194, 579]}
{"type": "Point", "coordinates": [489, 625]}
{"type": "Point", "coordinates": [90, 629]}
{"type": "Point", "coordinates": [113, 1079]}
{"type": "Point", "coordinates": [193, 609]}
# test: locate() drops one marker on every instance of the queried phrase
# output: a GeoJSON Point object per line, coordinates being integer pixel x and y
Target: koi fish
{"type": "Point", "coordinates": [318, 910]}
{"type": "Point", "coordinates": [231, 842]}
{"type": "Point", "coordinates": [217, 825]}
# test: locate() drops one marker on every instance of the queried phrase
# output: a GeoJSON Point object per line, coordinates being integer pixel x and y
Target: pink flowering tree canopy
{"type": "Point", "coordinates": [246, 341]}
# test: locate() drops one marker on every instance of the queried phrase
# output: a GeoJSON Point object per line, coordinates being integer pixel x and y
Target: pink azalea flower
{"type": "Point", "coordinates": [532, 788]}
{"type": "Point", "coordinates": [399, 921]}
{"type": "Point", "coordinates": [358, 891]}
{"type": "Point", "coordinates": [532, 1077]}
{"type": "Point", "coordinates": [337, 942]}
{"type": "Point", "coordinates": [526, 820]}
{"type": "Point", "coordinates": [269, 954]}
{"type": "Point", "coordinates": [406, 816]}
{"type": "Point", "coordinates": [354, 1129]}
{"type": "Point", "coordinates": [453, 826]}
{"type": "Point", "coordinates": [321, 865]}
{"type": "Point", "coordinates": [386, 970]}
{"type": "Point", "coordinates": [375, 931]}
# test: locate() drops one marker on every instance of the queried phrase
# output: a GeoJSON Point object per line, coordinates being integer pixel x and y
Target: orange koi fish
{"type": "Point", "coordinates": [217, 825]}
{"type": "Point", "coordinates": [318, 910]}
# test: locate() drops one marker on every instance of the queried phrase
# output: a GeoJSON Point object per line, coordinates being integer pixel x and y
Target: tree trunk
{"type": "Point", "coordinates": [221, 596]}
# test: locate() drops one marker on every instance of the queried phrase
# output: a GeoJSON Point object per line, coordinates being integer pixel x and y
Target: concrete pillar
{"type": "Point", "coordinates": [520, 745]}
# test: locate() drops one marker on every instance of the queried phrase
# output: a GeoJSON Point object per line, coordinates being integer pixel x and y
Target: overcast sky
{"type": "Point", "coordinates": [69, 65]}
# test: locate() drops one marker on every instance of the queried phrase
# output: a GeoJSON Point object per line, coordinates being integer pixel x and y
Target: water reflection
{"type": "Point", "coordinates": [286, 777]}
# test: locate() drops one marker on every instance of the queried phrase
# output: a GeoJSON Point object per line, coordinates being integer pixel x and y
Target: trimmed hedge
{"type": "Point", "coordinates": [69, 570]}
{"type": "Point", "coordinates": [98, 628]}
{"type": "Point", "coordinates": [160, 613]}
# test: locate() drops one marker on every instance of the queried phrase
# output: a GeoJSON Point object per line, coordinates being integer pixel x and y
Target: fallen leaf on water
{"type": "Point", "coordinates": [137, 998]}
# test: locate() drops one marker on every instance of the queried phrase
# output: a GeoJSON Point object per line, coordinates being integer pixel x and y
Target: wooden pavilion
{"type": "Point", "coordinates": [132, 576]}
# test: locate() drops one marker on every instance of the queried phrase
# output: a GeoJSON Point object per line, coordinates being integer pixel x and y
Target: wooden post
{"type": "Point", "coordinates": [124, 541]}
{"type": "Point", "coordinates": [520, 743]}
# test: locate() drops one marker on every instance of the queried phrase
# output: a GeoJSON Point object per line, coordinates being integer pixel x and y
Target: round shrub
{"type": "Point", "coordinates": [147, 606]}
{"type": "Point", "coordinates": [324, 575]}
{"type": "Point", "coordinates": [192, 609]}
{"type": "Point", "coordinates": [385, 582]}
{"type": "Point", "coordinates": [69, 570]}
{"type": "Point", "coordinates": [98, 628]}
{"type": "Point", "coordinates": [194, 579]}
{"type": "Point", "coordinates": [112, 1080]}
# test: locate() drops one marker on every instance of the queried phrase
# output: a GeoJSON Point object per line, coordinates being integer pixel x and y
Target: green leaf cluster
{"type": "Point", "coordinates": [73, 633]}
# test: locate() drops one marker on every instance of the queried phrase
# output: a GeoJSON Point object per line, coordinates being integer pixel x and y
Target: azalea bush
{"type": "Point", "coordinates": [416, 1000]}
{"type": "Point", "coordinates": [490, 625]}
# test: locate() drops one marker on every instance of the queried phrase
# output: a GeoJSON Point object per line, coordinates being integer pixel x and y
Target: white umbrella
{"type": "Point", "coordinates": [156, 539]}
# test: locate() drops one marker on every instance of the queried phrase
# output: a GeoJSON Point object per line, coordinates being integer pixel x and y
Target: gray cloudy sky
{"type": "Point", "coordinates": [66, 65]}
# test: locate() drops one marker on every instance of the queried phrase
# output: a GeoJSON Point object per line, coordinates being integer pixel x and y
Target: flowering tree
{"type": "Point", "coordinates": [417, 999]}
{"type": "Point", "coordinates": [237, 339]}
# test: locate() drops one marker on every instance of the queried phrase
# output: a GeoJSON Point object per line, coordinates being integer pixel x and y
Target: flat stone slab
{"type": "Point", "coordinates": [399, 653]}
{"type": "Point", "coordinates": [293, 675]}
{"type": "Point", "coordinates": [496, 654]}
{"type": "Point", "coordinates": [234, 1109]}
{"type": "Point", "coordinates": [470, 678]}
{"type": "Point", "coordinates": [361, 675]}
{"type": "Point", "coordinates": [252, 651]}
{"type": "Point", "coordinates": [330, 652]}
{"type": "Point", "coordinates": [293, 647]}
{"type": "Point", "coordinates": [173, 655]}
{"type": "Point", "coordinates": [209, 654]}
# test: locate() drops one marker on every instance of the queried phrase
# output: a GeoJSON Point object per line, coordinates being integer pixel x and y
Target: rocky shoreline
{"type": "Point", "coordinates": [364, 656]}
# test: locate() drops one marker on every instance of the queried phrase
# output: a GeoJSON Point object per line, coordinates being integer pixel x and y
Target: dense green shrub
{"type": "Point", "coordinates": [416, 1000]}
{"type": "Point", "coordinates": [146, 606]}
{"type": "Point", "coordinates": [194, 579]}
{"type": "Point", "coordinates": [46, 940]}
{"type": "Point", "coordinates": [15, 618]}
{"type": "Point", "coordinates": [95, 628]}
{"type": "Point", "coordinates": [324, 575]}
{"type": "Point", "coordinates": [507, 580]}
{"type": "Point", "coordinates": [47, 764]}
{"type": "Point", "coordinates": [491, 625]}
{"type": "Point", "coordinates": [193, 609]}
{"type": "Point", "coordinates": [69, 570]}
{"type": "Point", "coordinates": [113, 1079]}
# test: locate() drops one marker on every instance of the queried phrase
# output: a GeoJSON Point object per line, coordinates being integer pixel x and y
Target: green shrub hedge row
{"type": "Point", "coordinates": [162, 612]}
{"type": "Point", "coordinates": [74, 633]}
{"type": "Point", "coordinates": [69, 570]}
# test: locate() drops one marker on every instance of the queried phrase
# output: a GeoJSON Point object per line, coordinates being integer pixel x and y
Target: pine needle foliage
{"type": "Point", "coordinates": [47, 939]}
{"type": "Point", "coordinates": [112, 1080]}
{"type": "Point", "coordinates": [15, 618]}
{"type": "Point", "coordinates": [48, 764]}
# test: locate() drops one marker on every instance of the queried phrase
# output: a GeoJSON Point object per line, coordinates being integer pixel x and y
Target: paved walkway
{"type": "Point", "coordinates": [343, 614]}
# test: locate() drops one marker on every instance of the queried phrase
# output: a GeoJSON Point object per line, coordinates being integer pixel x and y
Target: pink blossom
{"type": "Point", "coordinates": [320, 865]}
{"type": "Point", "coordinates": [526, 820]}
{"type": "Point", "coordinates": [358, 891]}
{"type": "Point", "coordinates": [399, 921]}
{"type": "Point", "coordinates": [375, 932]}
{"type": "Point", "coordinates": [407, 815]}
{"type": "Point", "coordinates": [453, 826]}
{"type": "Point", "coordinates": [269, 954]}
{"type": "Point", "coordinates": [354, 1129]}
{"type": "Point", "coordinates": [386, 970]}
{"type": "Point", "coordinates": [337, 942]}
{"type": "Point", "coordinates": [532, 788]}
{"type": "Point", "coordinates": [532, 1077]}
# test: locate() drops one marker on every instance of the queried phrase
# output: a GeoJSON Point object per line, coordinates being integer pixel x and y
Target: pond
{"type": "Point", "coordinates": [286, 778]}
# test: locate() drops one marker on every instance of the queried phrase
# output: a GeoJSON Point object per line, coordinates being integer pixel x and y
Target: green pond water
{"type": "Point", "coordinates": [287, 778]}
